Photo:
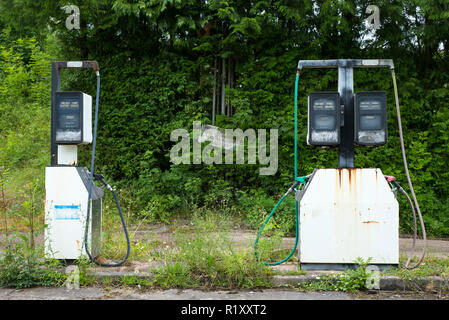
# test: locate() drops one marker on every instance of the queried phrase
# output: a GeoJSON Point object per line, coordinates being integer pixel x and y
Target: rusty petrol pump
{"type": "Point", "coordinates": [347, 213]}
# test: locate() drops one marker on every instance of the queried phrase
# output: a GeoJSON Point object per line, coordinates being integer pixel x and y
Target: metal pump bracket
{"type": "Point", "coordinates": [346, 90]}
{"type": "Point", "coordinates": [56, 67]}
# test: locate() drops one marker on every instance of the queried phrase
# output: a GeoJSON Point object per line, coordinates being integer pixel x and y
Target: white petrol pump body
{"type": "Point", "coordinates": [66, 190]}
{"type": "Point", "coordinates": [346, 214]}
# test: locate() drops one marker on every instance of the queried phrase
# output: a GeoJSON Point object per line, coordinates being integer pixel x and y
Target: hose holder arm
{"type": "Point", "coordinates": [77, 64]}
{"type": "Point", "coordinates": [298, 181]}
{"type": "Point", "coordinates": [355, 63]}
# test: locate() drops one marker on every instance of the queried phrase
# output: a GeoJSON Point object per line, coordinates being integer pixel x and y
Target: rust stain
{"type": "Point", "coordinates": [339, 177]}
{"type": "Point", "coordinates": [350, 180]}
{"type": "Point", "coordinates": [370, 221]}
{"type": "Point", "coordinates": [352, 174]}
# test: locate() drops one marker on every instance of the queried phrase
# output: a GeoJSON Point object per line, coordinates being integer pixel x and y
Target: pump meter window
{"type": "Point", "coordinates": [73, 118]}
{"type": "Point", "coordinates": [324, 119]}
{"type": "Point", "coordinates": [370, 118]}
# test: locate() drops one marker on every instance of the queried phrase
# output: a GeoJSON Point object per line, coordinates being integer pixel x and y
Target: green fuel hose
{"type": "Point", "coordinates": [298, 180]}
{"type": "Point", "coordinates": [268, 219]}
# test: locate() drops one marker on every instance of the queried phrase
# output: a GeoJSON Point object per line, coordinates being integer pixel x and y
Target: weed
{"type": "Point", "coordinates": [173, 275]}
{"type": "Point", "coordinates": [84, 264]}
{"type": "Point", "coordinates": [21, 262]}
{"type": "Point", "coordinates": [351, 280]}
{"type": "Point", "coordinates": [209, 259]}
{"type": "Point", "coordinates": [107, 281]}
{"type": "Point", "coordinates": [134, 280]}
{"type": "Point", "coordinates": [21, 266]}
{"type": "Point", "coordinates": [430, 266]}
{"type": "Point", "coordinates": [4, 205]}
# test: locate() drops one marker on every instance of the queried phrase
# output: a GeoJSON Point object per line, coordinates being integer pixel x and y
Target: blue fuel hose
{"type": "Point", "coordinates": [100, 177]}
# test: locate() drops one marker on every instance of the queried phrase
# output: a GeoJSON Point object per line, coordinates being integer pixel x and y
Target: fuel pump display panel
{"type": "Point", "coordinates": [73, 118]}
{"type": "Point", "coordinates": [371, 118]}
{"type": "Point", "coordinates": [69, 123]}
{"type": "Point", "coordinates": [324, 118]}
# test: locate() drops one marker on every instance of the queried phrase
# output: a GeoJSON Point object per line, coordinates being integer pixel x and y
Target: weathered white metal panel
{"type": "Point", "coordinates": [67, 154]}
{"type": "Point", "coordinates": [87, 119]}
{"type": "Point", "coordinates": [65, 213]}
{"type": "Point", "coordinates": [346, 214]}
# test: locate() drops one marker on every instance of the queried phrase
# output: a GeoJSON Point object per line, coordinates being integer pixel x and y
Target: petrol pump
{"type": "Point", "coordinates": [347, 213]}
{"type": "Point", "coordinates": [73, 204]}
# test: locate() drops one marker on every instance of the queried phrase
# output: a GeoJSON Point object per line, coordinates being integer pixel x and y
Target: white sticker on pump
{"type": "Point", "coordinates": [67, 212]}
{"type": "Point", "coordinates": [370, 62]}
{"type": "Point", "coordinates": [74, 64]}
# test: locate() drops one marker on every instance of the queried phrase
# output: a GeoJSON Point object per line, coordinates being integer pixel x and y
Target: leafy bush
{"type": "Point", "coordinates": [25, 121]}
{"type": "Point", "coordinates": [22, 266]}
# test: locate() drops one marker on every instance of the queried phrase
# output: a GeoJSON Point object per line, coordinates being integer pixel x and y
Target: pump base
{"type": "Point", "coordinates": [347, 214]}
{"type": "Point", "coordinates": [342, 267]}
{"type": "Point", "coordinates": [66, 192]}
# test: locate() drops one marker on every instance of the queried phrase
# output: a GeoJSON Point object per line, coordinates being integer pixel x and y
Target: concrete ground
{"type": "Point", "coordinates": [104, 293]}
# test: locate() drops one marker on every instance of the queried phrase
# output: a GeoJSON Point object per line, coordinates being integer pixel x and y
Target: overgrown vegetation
{"type": "Point", "coordinates": [21, 257]}
{"type": "Point", "coordinates": [431, 266]}
{"type": "Point", "coordinates": [158, 56]}
{"type": "Point", "coordinates": [352, 280]}
{"type": "Point", "coordinates": [157, 62]}
{"type": "Point", "coordinates": [207, 257]}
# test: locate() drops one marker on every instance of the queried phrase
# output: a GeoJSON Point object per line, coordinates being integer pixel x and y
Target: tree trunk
{"type": "Point", "coordinates": [214, 98]}
{"type": "Point", "coordinates": [223, 85]}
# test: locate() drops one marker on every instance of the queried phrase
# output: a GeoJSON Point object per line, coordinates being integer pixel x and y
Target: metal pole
{"type": "Point", "coordinates": [55, 86]}
{"type": "Point", "coordinates": [346, 90]}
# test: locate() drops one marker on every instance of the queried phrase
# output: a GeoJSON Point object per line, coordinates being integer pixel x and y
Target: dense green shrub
{"type": "Point", "coordinates": [24, 105]}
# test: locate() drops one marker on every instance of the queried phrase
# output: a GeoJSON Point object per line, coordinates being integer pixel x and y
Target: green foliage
{"type": "Point", "coordinates": [351, 280]}
{"type": "Point", "coordinates": [25, 121]}
{"type": "Point", "coordinates": [207, 257]}
{"type": "Point", "coordinates": [431, 266]}
{"type": "Point", "coordinates": [21, 266]}
{"type": "Point", "coordinates": [256, 206]}
{"type": "Point", "coordinates": [84, 264]}
{"type": "Point", "coordinates": [132, 280]}
{"type": "Point", "coordinates": [22, 260]}
{"type": "Point", "coordinates": [157, 59]}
